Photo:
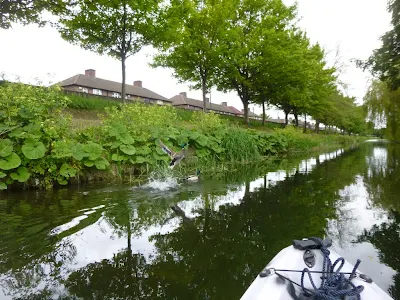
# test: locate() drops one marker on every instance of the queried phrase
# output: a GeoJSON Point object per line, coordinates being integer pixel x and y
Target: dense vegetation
{"type": "Point", "coordinates": [253, 47]}
{"type": "Point", "coordinates": [383, 97]}
{"type": "Point", "coordinates": [38, 147]}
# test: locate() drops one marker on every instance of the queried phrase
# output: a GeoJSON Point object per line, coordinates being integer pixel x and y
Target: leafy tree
{"type": "Point", "coordinates": [321, 86]}
{"type": "Point", "coordinates": [256, 24]}
{"type": "Point", "coordinates": [385, 60]}
{"type": "Point", "coordinates": [293, 75]}
{"type": "Point", "coordinates": [191, 43]}
{"type": "Point", "coordinates": [116, 28]}
{"type": "Point", "coordinates": [29, 11]}
{"type": "Point", "coordinates": [383, 108]}
{"type": "Point", "coordinates": [278, 69]}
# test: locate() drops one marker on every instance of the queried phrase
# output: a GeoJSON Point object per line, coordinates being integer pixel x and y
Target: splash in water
{"type": "Point", "coordinates": [161, 181]}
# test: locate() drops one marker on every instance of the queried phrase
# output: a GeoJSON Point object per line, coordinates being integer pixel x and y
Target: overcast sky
{"type": "Point", "coordinates": [353, 25]}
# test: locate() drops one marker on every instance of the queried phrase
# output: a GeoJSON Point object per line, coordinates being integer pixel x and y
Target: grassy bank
{"type": "Point", "coordinates": [42, 145]}
{"type": "Point", "coordinates": [89, 106]}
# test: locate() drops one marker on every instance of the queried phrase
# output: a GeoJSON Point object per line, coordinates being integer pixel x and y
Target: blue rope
{"type": "Point", "coordinates": [334, 285]}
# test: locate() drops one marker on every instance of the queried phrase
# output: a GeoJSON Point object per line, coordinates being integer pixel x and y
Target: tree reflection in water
{"type": "Point", "coordinates": [208, 240]}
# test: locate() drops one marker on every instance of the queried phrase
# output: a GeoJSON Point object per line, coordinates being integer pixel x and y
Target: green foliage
{"type": "Point", "coordinates": [385, 60]}
{"type": "Point", "coordinates": [10, 162]}
{"type": "Point", "coordinates": [383, 108]}
{"type": "Point", "coordinates": [93, 150]}
{"type": "Point", "coordinates": [22, 174]}
{"type": "Point", "coordinates": [115, 28]}
{"type": "Point", "coordinates": [137, 119]}
{"type": "Point", "coordinates": [36, 145]}
{"type": "Point", "coordinates": [271, 143]}
{"type": "Point", "coordinates": [67, 171]}
{"type": "Point", "coordinates": [207, 122]}
{"type": "Point", "coordinates": [32, 123]}
{"type": "Point", "coordinates": [27, 11]}
{"type": "Point", "coordinates": [190, 36]}
{"type": "Point", "coordinates": [254, 48]}
{"type": "Point", "coordinates": [296, 141]}
{"type": "Point", "coordinates": [6, 147]}
{"type": "Point", "coordinates": [251, 36]}
{"type": "Point", "coordinates": [90, 102]}
{"type": "Point", "coordinates": [3, 186]}
{"type": "Point", "coordinates": [240, 145]}
{"type": "Point", "coordinates": [33, 149]}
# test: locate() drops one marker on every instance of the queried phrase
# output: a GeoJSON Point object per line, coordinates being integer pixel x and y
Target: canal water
{"type": "Point", "coordinates": [204, 240]}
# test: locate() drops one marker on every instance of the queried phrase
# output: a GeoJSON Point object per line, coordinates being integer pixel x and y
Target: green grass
{"type": "Point", "coordinates": [186, 115]}
{"type": "Point", "coordinates": [90, 102]}
{"type": "Point", "coordinates": [242, 145]}
{"type": "Point", "coordinates": [257, 124]}
{"type": "Point", "coordinates": [305, 142]}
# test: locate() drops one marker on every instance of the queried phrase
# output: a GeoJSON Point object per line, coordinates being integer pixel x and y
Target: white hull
{"type": "Point", "coordinates": [272, 287]}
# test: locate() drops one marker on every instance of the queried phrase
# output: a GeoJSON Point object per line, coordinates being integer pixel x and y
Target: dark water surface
{"type": "Point", "coordinates": [205, 240]}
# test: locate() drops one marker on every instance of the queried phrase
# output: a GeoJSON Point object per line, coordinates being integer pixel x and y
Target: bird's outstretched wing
{"type": "Point", "coordinates": [165, 149]}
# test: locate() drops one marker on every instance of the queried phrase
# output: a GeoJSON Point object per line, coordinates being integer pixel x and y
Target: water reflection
{"type": "Point", "coordinates": [206, 240]}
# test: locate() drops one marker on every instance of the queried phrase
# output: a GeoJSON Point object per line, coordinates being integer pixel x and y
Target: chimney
{"type": "Point", "coordinates": [90, 72]}
{"type": "Point", "coordinates": [207, 99]}
{"type": "Point", "coordinates": [183, 94]}
{"type": "Point", "coordinates": [137, 83]}
{"type": "Point", "coordinates": [224, 103]}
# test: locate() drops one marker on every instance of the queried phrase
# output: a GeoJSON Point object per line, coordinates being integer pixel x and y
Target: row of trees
{"type": "Point", "coordinates": [383, 96]}
{"type": "Point", "coordinates": [253, 47]}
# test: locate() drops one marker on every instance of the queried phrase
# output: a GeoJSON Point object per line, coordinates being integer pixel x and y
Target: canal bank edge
{"type": "Point", "coordinates": [41, 146]}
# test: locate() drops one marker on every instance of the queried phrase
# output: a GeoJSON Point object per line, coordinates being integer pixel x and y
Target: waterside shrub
{"type": "Point", "coordinates": [37, 147]}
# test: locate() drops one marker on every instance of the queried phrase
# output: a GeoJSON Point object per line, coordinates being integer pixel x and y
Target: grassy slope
{"type": "Point", "coordinates": [85, 112]}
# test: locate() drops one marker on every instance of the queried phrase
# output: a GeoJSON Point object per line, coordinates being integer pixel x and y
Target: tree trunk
{"type": "Point", "coordinates": [286, 117]}
{"type": "Point", "coordinates": [263, 117]}
{"type": "Point", "coordinates": [317, 126]}
{"type": "Point", "coordinates": [296, 118]}
{"type": "Point", "coordinates": [123, 58]}
{"type": "Point", "coordinates": [305, 123]}
{"type": "Point", "coordinates": [123, 53]}
{"type": "Point", "coordinates": [129, 231]}
{"type": "Point", "coordinates": [204, 91]}
{"type": "Point", "coordinates": [246, 111]}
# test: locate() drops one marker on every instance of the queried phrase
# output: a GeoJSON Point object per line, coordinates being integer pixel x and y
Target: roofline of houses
{"type": "Point", "coordinates": [88, 83]}
{"type": "Point", "coordinates": [78, 84]}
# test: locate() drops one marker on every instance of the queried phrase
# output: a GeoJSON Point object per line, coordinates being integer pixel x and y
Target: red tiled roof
{"type": "Point", "coordinates": [235, 110]}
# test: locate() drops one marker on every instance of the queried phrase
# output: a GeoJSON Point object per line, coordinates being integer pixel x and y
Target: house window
{"type": "Point", "coordinates": [146, 100]}
{"type": "Point", "coordinates": [159, 102]}
{"type": "Point", "coordinates": [97, 92]}
{"type": "Point", "coordinates": [116, 95]}
{"type": "Point", "coordinates": [85, 90]}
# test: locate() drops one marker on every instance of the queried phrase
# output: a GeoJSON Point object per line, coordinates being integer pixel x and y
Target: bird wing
{"type": "Point", "coordinates": [166, 149]}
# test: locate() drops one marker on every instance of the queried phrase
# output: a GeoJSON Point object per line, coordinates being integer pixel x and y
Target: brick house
{"type": "Point", "coordinates": [90, 84]}
{"type": "Point", "coordinates": [183, 101]}
{"type": "Point", "coordinates": [241, 113]}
